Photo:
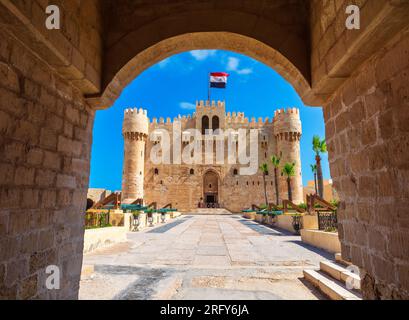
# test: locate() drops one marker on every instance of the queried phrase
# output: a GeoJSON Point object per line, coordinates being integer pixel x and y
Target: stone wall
{"type": "Point", "coordinates": [97, 194]}
{"type": "Point", "coordinates": [367, 131]}
{"type": "Point", "coordinates": [103, 237]}
{"type": "Point", "coordinates": [45, 141]}
{"type": "Point", "coordinates": [134, 26]}
{"type": "Point", "coordinates": [337, 52]}
{"type": "Point", "coordinates": [74, 51]}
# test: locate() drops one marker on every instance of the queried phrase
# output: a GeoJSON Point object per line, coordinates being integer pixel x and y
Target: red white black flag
{"type": "Point", "coordinates": [218, 80]}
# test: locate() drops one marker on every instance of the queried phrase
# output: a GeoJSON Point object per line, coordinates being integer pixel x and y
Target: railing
{"type": "Point", "coordinates": [153, 205]}
{"type": "Point", "coordinates": [138, 201]}
{"type": "Point", "coordinates": [96, 219]}
{"type": "Point", "coordinates": [327, 220]}
{"type": "Point", "coordinates": [169, 205]}
{"type": "Point", "coordinates": [113, 199]}
{"type": "Point", "coordinates": [316, 203]}
{"type": "Point", "coordinates": [255, 207]}
{"type": "Point", "coordinates": [326, 212]}
{"type": "Point", "coordinates": [287, 204]}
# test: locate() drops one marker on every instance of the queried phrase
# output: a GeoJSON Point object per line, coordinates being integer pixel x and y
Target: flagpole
{"type": "Point", "coordinates": [208, 88]}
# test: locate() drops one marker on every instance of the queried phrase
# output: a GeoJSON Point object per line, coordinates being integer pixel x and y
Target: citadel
{"type": "Point", "coordinates": [216, 182]}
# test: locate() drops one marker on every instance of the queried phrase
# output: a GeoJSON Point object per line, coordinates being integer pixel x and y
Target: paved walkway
{"type": "Point", "coordinates": [203, 257]}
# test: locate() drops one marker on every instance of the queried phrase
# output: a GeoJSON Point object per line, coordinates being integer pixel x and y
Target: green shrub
{"type": "Point", "coordinates": [334, 202]}
{"type": "Point", "coordinates": [303, 206]}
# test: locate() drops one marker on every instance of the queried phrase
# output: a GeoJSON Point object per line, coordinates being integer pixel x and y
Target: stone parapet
{"type": "Point", "coordinates": [135, 121]}
{"type": "Point", "coordinates": [328, 241]}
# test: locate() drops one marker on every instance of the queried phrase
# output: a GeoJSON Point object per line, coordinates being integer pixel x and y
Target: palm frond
{"type": "Point", "coordinates": [323, 146]}
{"type": "Point", "coordinates": [275, 160]}
{"type": "Point", "coordinates": [289, 169]}
{"type": "Point", "coordinates": [264, 168]}
{"type": "Point", "coordinates": [318, 145]}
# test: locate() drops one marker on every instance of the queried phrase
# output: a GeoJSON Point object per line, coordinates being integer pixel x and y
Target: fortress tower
{"type": "Point", "coordinates": [287, 131]}
{"type": "Point", "coordinates": [135, 131]}
{"type": "Point", "coordinates": [210, 115]}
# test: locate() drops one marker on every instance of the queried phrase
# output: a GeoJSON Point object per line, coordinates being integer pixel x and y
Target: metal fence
{"type": "Point", "coordinates": [96, 219]}
{"type": "Point", "coordinates": [327, 220]}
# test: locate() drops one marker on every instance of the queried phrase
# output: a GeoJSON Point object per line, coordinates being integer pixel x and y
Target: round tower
{"type": "Point", "coordinates": [135, 131]}
{"type": "Point", "coordinates": [287, 131]}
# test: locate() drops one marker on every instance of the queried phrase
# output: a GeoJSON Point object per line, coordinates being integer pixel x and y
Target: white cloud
{"type": "Point", "coordinates": [245, 71]}
{"type": "Point", "coordinates": [187, 105]}
{"type": "Point", "coordinates": [233, 65]}
{"type": "Point", "coordinates": [201, 55]}
{"type": "Point", "coordinates": [164, 63]}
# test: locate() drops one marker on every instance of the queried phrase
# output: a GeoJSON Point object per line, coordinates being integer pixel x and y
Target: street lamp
{"type": "Point", "coordinates": [135, 222]}
{"type": "Point", "coordinates": [150, 219]}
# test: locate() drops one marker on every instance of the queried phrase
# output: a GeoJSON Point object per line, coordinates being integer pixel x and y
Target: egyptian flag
{"type": "Point", "coordinates": [218, 80]}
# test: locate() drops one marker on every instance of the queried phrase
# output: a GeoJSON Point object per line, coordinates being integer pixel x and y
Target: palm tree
{"type": "Point", "coordinates": [314, 171]}
{"type": "Point", "coordinates": [275, 160]}
{"type": "Point", "coordinates": [289, 171]}
{"type": "Point", "coordinates": [319, 146]}
{"type": "Point", "coordinates": [264, 171]}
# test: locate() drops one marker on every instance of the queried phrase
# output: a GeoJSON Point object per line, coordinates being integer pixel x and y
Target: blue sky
{"type": "Point", "coordinates": [172, 86]}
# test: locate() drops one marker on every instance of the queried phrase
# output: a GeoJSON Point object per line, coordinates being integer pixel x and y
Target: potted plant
{"type": "Point", "coordinates": [272, 218]}
{"type": "Point", "coordinates": [265, 217]}
{"type": "Point", "coordinates": [150, 212]}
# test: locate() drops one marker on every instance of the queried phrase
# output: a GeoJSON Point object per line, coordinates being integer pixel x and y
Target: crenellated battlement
{"type": "Point", "coordinates": [136, 121]}
{"type": "Point", "coordinates": [132, 112]}
{"type": "Point", "coordinates": [287, 121]}
{"type": "Point", "coordinates": [168, 120]}
{"type": "Point", "coordinates": [286, 112]}
{"type": "Point", "coordinates": [210, 104]}
{"type": "Point", "coordinates": [233, 117]}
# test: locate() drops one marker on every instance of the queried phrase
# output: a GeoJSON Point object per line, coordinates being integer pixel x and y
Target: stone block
{"type": "Point", "coordinates": [326, 240]}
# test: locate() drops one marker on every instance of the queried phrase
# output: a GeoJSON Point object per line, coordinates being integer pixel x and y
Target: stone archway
{"type": "Point", "coordinates": [204, 40]}
{"type": "Point", "coordinates": [211, 184]}
{"type": "Point", "coordinates": [53, 81]}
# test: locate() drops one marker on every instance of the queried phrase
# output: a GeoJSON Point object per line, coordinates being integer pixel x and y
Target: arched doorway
{"type": "Point", "coordinates": [215, 123]}
{"type": "Point", "coordinates": [205, 124]}
{"type": "Point", "coordinates": [211, 189]}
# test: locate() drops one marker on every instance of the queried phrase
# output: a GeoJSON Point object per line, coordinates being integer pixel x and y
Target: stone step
{"type": "Point", "coordinates": [332, 288]}
{"type": "Point", "coordinates": [211, 211]}
{"type": "Point", "coordinates": [338, 258]}
{"type": "Point", "coordinates": [340, 273]}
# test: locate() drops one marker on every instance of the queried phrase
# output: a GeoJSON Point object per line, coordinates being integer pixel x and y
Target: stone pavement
{"type": "Point", "coordinates": [203, 257]}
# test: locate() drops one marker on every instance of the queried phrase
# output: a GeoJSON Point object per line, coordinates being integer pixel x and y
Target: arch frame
{"type": "Point", "coordinates": [214, 40]}
{"type": "Point", "coordinates": [212, 171]}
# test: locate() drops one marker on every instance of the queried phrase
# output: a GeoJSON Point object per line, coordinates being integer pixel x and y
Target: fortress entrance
{"type": "Point", "coordinates": [211, 189]}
